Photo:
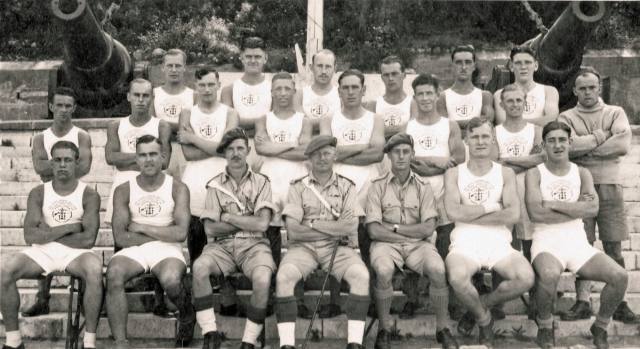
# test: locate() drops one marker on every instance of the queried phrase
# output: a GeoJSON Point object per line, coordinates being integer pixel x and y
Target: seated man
{"type": "Point", "coordinates": [559, 195]}
{"type": "Point", "coordinates": [61, 226]}
{"type": "Point", "coordinates": [236, 214]}
{"type": "Point", "coordinates": [481, 198]}
{"type": "Point", "coordinates": [321, 211]}
{"type": "Point", "coordinates": [150, 222]}
{"type": "Point", "coordinates": [399, 237]}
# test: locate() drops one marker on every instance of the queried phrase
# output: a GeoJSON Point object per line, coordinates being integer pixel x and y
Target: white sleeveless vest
{"type": "Point", "coordinates": [395, 116]}
{"type": "Point", "coordinates": [348, 132]}
{"type": "Point", "coordinates": [61, 210]}
{"type": "Point", "coordinates": [560, 188]}
{"type": "Point", "coordinates": [319, 106]}
{"type": "Point", "coordinates": [152, 208]}
{"type": "Point", "coordinates": [534, 103]}
{"type": "Point", "coordinates": [431, 140]}
{"type": "Point", "coordinates": [479, 190]}
{"type": "Point", "coordinates": [168, 107]}
{"type": "Point", "coordinates": [516, 144]}
{"type": "Point", "coordinates": [49, 139]}
{"type": "Point", "coordinates": [251, 101]}
{"type": "Point", "coordinates": [210, 127]}
{"type": "Point", "coordinates": [463, 107]}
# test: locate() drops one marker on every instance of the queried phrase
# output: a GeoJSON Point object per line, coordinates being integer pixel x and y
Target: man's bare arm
{"type": "Point", "coordinates": [378, 232]}
{"type": "Point", "coordinates": [588, 204]}
{"type": "Point", "coordinates": [122, 236]}
{"type": "Point", "coordinates": [258, 222]}
{"type": "Point", "coordinates": [112, 151]}
{"type": "Point", "coordinates": [90, 222]}
{"type": "Point", "coordinates": [85, 156]}
{"type": "Point", "coordinates": [487, 106]}
{"type": "Point", "coordinates": [36, 231]}
{"type": "Point", "coordinates": [510, 211]}
{"type": "Point", "coordinates": [373, 153]}
{"type": "Point", "coordinates": [41, 163]}
{"type": "Point", "coordinates": [226, 95]}
{"type": "Point", "coordinates": [539, 213]}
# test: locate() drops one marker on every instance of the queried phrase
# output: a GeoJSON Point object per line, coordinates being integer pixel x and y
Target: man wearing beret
{"type": "Point", "coordinates": [321, 211]}
{"type": "Point", "coordinates": [401, 216]}
{"type": "Point", "coordinates": [237, 212]}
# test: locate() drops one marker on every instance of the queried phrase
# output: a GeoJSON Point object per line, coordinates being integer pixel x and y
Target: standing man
{"type": "Point", "coordinates": [463, 101]}
{"type": "Point", "coordinates": [199, 135]}
{"type": "Point", "coordinates": [61, 226]}
{"type": "Point", "coordinates": [172, 101]}
{"type": "Point", "coordinates": [438, 146]}
{"type": "Point", "coordinates": [250, 95]}
{"type": "Point", "coordinates": [560, 194]}
{"type": "Point", "coordinates": [62, 106]}
{"type": "Point", "coordinates": [395, 105]}
{"type": "Point", "coordinates": [601, 135]}
{"type": "Point", "coordinates": [150, 222]}
{"type": "Point", "coordinates": [122, 135]}
{"type": "Point", "coordinates": [320, 213]}
{"type": "Point", "coordinates": [541, 104]}
{"type": "Point", "coordinates": [399, 237]}
{"type": "Point", "coordinates": [321, 99]}
{"type": "Point", "coordinates": [481, 198]}
{"type": "Point", "coordinates": [237, 212]}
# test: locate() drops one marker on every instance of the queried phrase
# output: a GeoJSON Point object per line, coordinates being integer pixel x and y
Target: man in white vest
{"type": "Point", "coordinates": [62, 107]}
{"type": "Point", "coordinates": [482, 199]}
{"type": "Point", "coordinates": [321, 99]}
{"type": "Point", "coordinates": [541, 105]}
{"type": "Point", "coordinates": [250, 95]}
{"type": "Point", "coordinates": [171, 101]}
{"type": "Point", "coordinates": [150, 222]}
{"type": "Point", "coordinates": [61, 225]}
{"type": "Point", "coordinates": [463, 101]}
{"type": "Point", "coordinates": [560, 194]}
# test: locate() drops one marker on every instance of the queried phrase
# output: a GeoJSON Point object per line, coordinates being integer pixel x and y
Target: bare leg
{"type": "Point", "coordinates": [119, 271]}
{"type": "Point", "coordinates": [89, 268]}
{"type": "Point", "coordinates": [15, 267]}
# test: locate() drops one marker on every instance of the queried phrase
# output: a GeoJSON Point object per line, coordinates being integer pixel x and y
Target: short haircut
{"type": "Point", "coordinates": [283, 75]}
{"type": "Point", "coordinates": [555, 125]}
{"type": "Point", "coordinates": [425, 79]}
{"type": "Point", "coordinates": [326, 52]}
{"type": "Point", "coordinates": [464, 48]}
{"type": "Point", "coordinates": [351, 72]}
{"type": "Point", "coordinates": [476, 122]}
{"type": "Point", "coordinates": [146, 139]}
{"type": "Point", "coordinates": [175, 52]}
{"type": "Point", "coordinates": [521, 49]}
{"type": "Point", "coordinates": [252, 42]}
{"type": "Point", "coordinates": [140, 81]}
{"type": "Point", "coordinates": [391, 60]}
{"type": "Point", "coordinates": [64, 91]}
{"type": "Point", "coordinates": [66, 145]}
{"type": "Point", "coordinates": [586, 71]}
{"type": "Point", "coordinates": [201, 72]}
{"type": "Point", "coordinates": [509, 88]}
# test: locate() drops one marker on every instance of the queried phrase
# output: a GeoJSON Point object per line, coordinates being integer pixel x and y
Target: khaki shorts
{"type": "Point", "coordinates": [243, 254]}
{"type": "Point", "coordinates": [611, 218]}
{"type": "Point", "coordinates": [151, 253]}
{"type": "Point", "coordinates": [308, 255]}
{"type": "Point", "coordinates": [414, 254]}
{"type": "Point", "coordinates": [53, 256]}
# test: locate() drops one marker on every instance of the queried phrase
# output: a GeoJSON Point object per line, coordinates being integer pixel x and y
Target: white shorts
{"type": "Point", "coordinates": [571, 249]}
{"type": "Point", "coordinates": [53, 256]}
{"type": "Point", "coordinates": [151, 253]}
{"type": "Point", "coordinates": [486, 252]}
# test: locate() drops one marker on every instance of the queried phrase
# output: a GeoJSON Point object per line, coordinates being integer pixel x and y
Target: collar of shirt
{"type": "Point", "coordinates": [226, 176]}
{"type": "Point", "coordinates": [391, 178]}
{"type": "Point", "coordinates": [332, 180]}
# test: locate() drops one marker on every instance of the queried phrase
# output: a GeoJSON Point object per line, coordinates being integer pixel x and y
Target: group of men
{"type": "Point", "coordinates": [270, 155]}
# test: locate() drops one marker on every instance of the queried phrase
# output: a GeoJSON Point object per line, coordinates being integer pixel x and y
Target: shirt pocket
{"type": "Point", "coordinates": [229, 205]}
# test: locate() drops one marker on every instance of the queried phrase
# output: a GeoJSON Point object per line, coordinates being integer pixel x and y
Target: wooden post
{"type": "Point", "coordinates": [314, 28]}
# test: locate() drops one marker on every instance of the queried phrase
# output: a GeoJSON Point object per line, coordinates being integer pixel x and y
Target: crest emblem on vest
{"type": "Point", "coordinates": [281, 136]}
{"type": "Point", "coordinates": [464, 111]}
{"type": "Point", "coordinates": [428, 142]}
{"type": "Point", "coordinates": [352, 134]}
{"type": "Point", "coordinates": [62, 211]}
{"type": "Point", "coordinates": [515, 147]}
{"type": "Point", "coordinates": [392, 118]}
{"type": "Point", "coordinates": [149, 206]}
{"type": "Point", "coordinates": [561, 191]}
{"type": "Point", "coordinates": [529, 105]}
{"type": "Point", "coordinates": [478, 191]}
{"type": "Point", "coordinates": [207, 130]}
{"type": "Point", "coordinates": [318, 110]}
{"type": "Point", "coordinates": [249, 100]}
{"type": "Point", "coordinates": [132, 138]}
{"type": "Point", "coordinates": [172, 108]}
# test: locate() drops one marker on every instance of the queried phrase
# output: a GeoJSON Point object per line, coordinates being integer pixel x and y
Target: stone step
{"type": "Point", "coordinates": [53, 326]}
{"type": "Point", "coordinates": [15, 237]}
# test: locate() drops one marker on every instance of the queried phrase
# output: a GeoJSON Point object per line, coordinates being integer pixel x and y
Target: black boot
{"type": "Point", "coordinates": [212, 340]}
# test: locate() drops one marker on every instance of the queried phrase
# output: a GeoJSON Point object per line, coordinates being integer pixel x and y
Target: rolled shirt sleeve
{"type": "Point", "coordinates": [264, 199]}
{"type": "Point", "coordinates": [374, 205]}
{"type": "Point", "coordinates": [293, 207]}
{"type": "Point", "coordinates": [212, 209]}
{"type": "Point", "coordinates": [427, 204]}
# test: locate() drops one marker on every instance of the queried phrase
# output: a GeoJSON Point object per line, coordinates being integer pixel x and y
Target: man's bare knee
{"type": "Point", "coordinates": [115, 276]}
{"type": "Point", "coordinates": [203, 268]}
{"type": "Point", "coordinates": [358, 278]}
{"type": "Point", "coordinates": [384, 270]}
{"type": "Point", "coordinates": [261, 278]}
{"type": "Point", "coordinates": [287, 277]}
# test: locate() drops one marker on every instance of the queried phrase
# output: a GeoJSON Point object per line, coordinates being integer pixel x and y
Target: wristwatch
{"type": "Point", "coordinates": [395, 228]}
{"type": "Point", "coordinates": [311, 224]}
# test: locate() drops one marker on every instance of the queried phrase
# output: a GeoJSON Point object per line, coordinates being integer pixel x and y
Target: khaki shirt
{"type": "Point", "coordinates": [253, 193]}
{"type": "Point", "coordinates": [394, 203]}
